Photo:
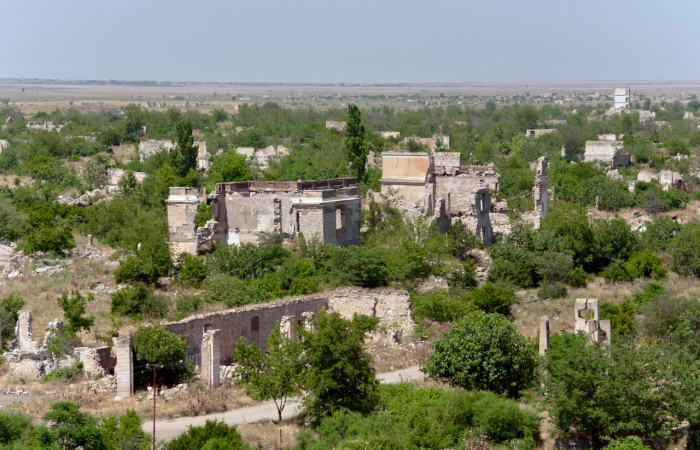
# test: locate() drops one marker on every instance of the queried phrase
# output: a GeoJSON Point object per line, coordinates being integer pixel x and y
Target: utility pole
{"type": "Point", "coordinates": [154, 404]}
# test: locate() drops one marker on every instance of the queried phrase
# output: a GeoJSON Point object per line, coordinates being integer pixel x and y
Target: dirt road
{"type": "Point", "coordinates": [168, 429]}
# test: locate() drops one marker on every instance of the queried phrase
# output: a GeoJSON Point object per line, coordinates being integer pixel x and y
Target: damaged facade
{"type": "Point", "coordinates": [335, 125]}
{"type": "Point", "coordinates": [606, 151]}
{"type": "Point", "coordinates": [149, 147]}
{"type": "Point", "coordinates": [437, 141]}
{"type": "Point", "coordinates": [243, 211]}
{"type": "Point", "coordinates": [538, 133]}
{"type": "Point", "coordinates": [431, 181]}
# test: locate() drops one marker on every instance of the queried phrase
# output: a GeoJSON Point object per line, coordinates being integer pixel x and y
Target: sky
{"type": "Point", "coordinates": [380, 41]}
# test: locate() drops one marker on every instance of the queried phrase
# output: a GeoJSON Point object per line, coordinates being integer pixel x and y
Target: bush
{"type": "Point", "coordinates": [554, 267]}
{"type": "Point", "coordinates": [204, 214]}
{"type": "Point", "coordinates": [156, 345]}
{"type": "Point", "coordinates": [71, 427]}
{"type": "Point", "coordinates": [146, 265]}
{"type": "Point", "coordinates": [370, 443]}
{"type": "Point", "coordinates": [9, 307]}
{"type": "Point", "coordinates": [556, 290]}
{"type": "Point", "coordinates": [661, 314]}
{"type": "Point", "coordinates": [190, 270]}
{"type": "Point", "coordinates": [198, 437]}
{"type": "Point", "coordinates": [626, 443]}
{"type": "Point", "coordinates": [440, 306]}
{"type": "Point", "coordinates": [245, 261]}
{"type": "Point", "coordinates": [650, 291]}
{"type": "Point", "coordinates": [493, 299]}
{"type": "Point", "coordinates": [125, 433]}
{"type": "Point", "coordinates": [357, 266]}
{"type": "Point", "coordinates": [578, 277]}
{"type": "Point", "coordinates": [616, 272]}
{"type": "Point", "coordinates": [645, 265]}
{"type": "Point", "coordinates": [621, 315]}
{"type": "Point", "coordinates": [13, 426]}
{"type": "Point", "coordinates": [48, 239]}
{"type": "Point", "coordinates": [186, 305]}
{"type": "Point", "coordinates": [585, 382]}
{"type": "Point", "coordinates": [64, 374]}
{"type": "Point", "coordinates": [233, 291]}
{"type": "Point", "coordinates": [139, 299]}
{"type": "Point", "coordinates": [660, 233]}
{"type": "Point", "coordinates": [12, 222]}
{"type": "Point", "coordinates": [73, 307]}
{"type": "Point", "coordinates": [685, 251]}
{"type": "Point", "coordinates": [483, 351]}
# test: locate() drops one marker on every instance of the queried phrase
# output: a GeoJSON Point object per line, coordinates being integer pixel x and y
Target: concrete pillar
{"type": "Point", "coordinates": [124, 369]}
{"type": "Point", "coordinates": [605, 330]}
{"type": "Point", "coordinates": [210, 355]}
{"type": "Point", "coordinates": [544, 334]}
{"type": "Point", "coordinates": [89, 242]}
{"type": "Point", "coordinates": [23, 330]}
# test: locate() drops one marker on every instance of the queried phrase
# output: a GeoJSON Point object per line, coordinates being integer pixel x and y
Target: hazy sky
{"type": "Point", "coordinates": [350, 41]}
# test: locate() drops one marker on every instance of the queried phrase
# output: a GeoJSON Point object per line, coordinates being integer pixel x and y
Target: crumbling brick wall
{"type": "Point", "coordinates": [393, 307]}
{"type": "Point", "coordinates": [457, 188]}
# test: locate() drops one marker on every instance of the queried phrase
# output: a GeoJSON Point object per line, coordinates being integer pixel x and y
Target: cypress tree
{"type": "Point", "coordinates": [354, 141]}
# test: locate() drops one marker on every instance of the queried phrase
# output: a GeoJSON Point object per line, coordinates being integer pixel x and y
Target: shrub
{"type": "Point", "coordinates": [462, 239]}
{"type": "Point", "coordinates": [555, 290]}
{"type": "Point", "coordinates": [554, 267]}
{"type": "Point", "coordinates": [204, 214]}
{"type": "Point", "coordinates": [616, 272]}
{"type": "Point", "coordinates": [650, 291]}
{"type": "Point", "coordinates": [439, 306]}
{"type": "Point", "coordinates": [190, 270]}
{"type": "Point", "coordinates": [146, 265]}
{"type": "Point", "coordinates": [685, 251]}
{"type": "Point", "coordinates": [198, 437]}
{"type": "Point", "coordinates": [613, 241]}
{"type": "Point", "coordinates": [626, 443]}
{"type": "Point", "coordinates": [245, 261]}
{"type": "Point", "coordinates": [125, 433]}
{"type": "Point", "coordinates": [13, 426]}
{"type": "Point", "coordinates": [357, 265]}
{"type": "Point", "coordinates": [156, 345]}
{"type": "Point", "coordinates": [64, 374]}
{"type": "Point", "coordinates": [71, 427]}
{"type": "Point", "coordinates": [233, 291]}
{"type": "Point", "coordinates": [483, 351]}
{"type": "Point", "coordinates": [186, 305]}
{"type": "Point", "coordinates": [621, 315]}
{"type": "Point", "coordinates": [660, 233]}
{"type": "Point", "coordinates": [73, 307]}
{"type": "Point", "coordinates": [9, 307]}
{"type": "Point", "coordinates": [661, 314]}
{"type": "Point", "coordinates": [48, 239]}
{"type": "Point", "coordinates": [493, 299]}
{"type": "Point", "coordinates": [585, 382]}
{"type": "Point", "coordinates": [12, 222]}
{"type": "Point", "coordinates": [578, 277]}
{"type": "Point", "coordinates": [645, 264]}
{"type": "Point", "coordinates": [370, 443]}
{"type": "Point", "coordinates": [139, 299]}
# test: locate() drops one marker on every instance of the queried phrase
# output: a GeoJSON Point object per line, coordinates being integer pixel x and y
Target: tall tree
{"type": "Point", "coordinates": [134, 122]}
{"type": "Point", "coordinates": [355, 141]}
{"type": "Point", "coordinates": [185, 158]}
{"type": "Point", "coordinates": [272, 375]}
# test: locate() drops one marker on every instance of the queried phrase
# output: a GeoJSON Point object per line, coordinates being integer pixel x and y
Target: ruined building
{"type": "Point", "coordinates": [622, 97]}
{"type": "Point", "coordinates": [335, 125]}
{"type": "Point", "coordinates": [606, 151]}
{"type": "Point", "coordinates": [438, 140]}
{"type": "Point", "coordinates": [149, 147]}
{"type": "Point", "coordinates": [243, 211]}
{"type": "Point", "coordinates": [541, 132]}
{"type": "Point", "coordinates": [430, 180]}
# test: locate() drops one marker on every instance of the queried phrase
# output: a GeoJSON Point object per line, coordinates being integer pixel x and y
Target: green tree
{"type": "Point", "coordinates": [493, 299]}
{"type": "Point", "coordinates": [213, 430]}
{"type": "Point", "coordinates": [134, 120]}
{"type": "Point", "coordinates": [73, 309]}
{"type": "Point", "coordinates": [273, 375]}
{"type": "Point", "coordinates": [585, 382]}
{"type": "Point", "coordinates": [156, 345]}
{"type": "Point", "coordinates": [70, 429]}
{"type": "Point", "coordinates": [128, 184]}
{"type": "Point", "coordinates": [185, 158]}
{"type": "Point", "coordinates": [355, 141]}
{"type": "Point", "coordinates": [490, 106]}
{"type": "Point", "coordinates": [124, 432]}
{"type": "Point", "coordinates": [685, 251]}
{"type": "Point", "coordinates": [9, 308]}
{"type": "Point", "coordinates": [229, 167]}
{"type": "Point", "coordinates": [337, 372]}
{"type": "Point", "coordinates": [483, 351]}
{"type": "Point", "coordinates": [12, 222]}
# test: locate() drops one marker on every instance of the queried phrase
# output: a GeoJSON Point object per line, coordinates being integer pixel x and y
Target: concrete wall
{"type": "Point", "coordinates": [456, 189]}
{"type": "Point", "coordinates": [602, 150]}
{"type": "Point", "coordinates": [540, 132]}
{"type": "Point", "coordinates": [182, 210]}
{"type": "Point", "coordinates": [393, 307]}
{"type": "Point", "coordinates": [149, 147]}
{"type": "Point", "coordinates": [390, 134]}
{"type": "Point", "coordinates": [446, 162]}
{"type": "Point", "coordinates": [334, 125]}
{"type": "Point", "coordinates": [405, 174]}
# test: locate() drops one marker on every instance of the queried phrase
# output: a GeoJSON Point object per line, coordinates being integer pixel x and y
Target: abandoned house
{"type": "Point", "coordinates": [622, 97]}
{"type": "Point", "coordinates": [4, 143]}
{"type": "Point", "coordinates": [606, 151]}
{"type": "Point", "coordinates": [538, 133]}
{"type": "Point", "coordinates": [243, 211]}
{"type": "Point", "coordinates": [607, 137]}
{"type": "Point", "coordinates": [437, 141]}
{"type": "Point", "coordinates": [203, 162]}
{"type": "Point", "coordinates": [390, 134]}
{"type": "Point", "coordinates": [334, 125]}
{"type": "Point", "coordinates": [426, 180]}
{"type": "Point", "coordinates": [149, 147]}
{"type": "Point", "coordinates": [115, 175]}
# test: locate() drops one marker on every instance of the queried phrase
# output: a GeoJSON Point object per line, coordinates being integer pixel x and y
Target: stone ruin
{"type": "Point", "coordinates": [390, 134]}
{"type": "Point", "coordinates": [31, 360]}
{"type": "Point", "coordinates": [242, 212]}
{"type": "Point", "coordinates": [539, 132]}
{"type": "Point", "coordinates": [334, 125]}
{"type": "Point", "coordinates": [4, 143]}
{"type": "Point", "coordinates": [587, 316]}
{"type": "Point", "coordinates": [540, 193]}
{"type": "Point", "coordinates": [263, 156]}
{"type": "Point", "coordinates": [203, 162]}
{"type": "Point", "coordinates": [149, 147]}
{"type": "Point", "coordinates": [438, 140]}
{"type": "Point", "coordinates": [115, 175]}
{"type": "Point", "coordinates": [604, 151]}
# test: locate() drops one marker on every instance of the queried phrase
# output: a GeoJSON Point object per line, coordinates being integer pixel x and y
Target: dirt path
{"type": "Point", "coordinates": [169, 429]}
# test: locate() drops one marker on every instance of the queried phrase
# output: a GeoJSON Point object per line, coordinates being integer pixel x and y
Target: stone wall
{"type": "Point", "coordinates": [446, 162]}
{"type": "Point", "coordinates": [149, 147]}
{"type": "Point", "coordinates": [253, 322]}
{"type": "Point", "coordinates": [540, 132]}
{"type": "Point", "coordinates": [97, 361]}
{"type": "Point", "coordinates": [4, 143]}
{"type": "Point", "coordinates": [390, 134]}
{"type": "Point", "coordinates": [405, 174]}
{"type": "Point", "coordinates": [334, 125]}
{"type": "Point", "coordinates": [456, 189]}
{"type": "Point", "coordinates": [602, 150]}
{"type": "Point", "coordinates": [478, 219]}
{"type": "Point", "coordinates": [115, 175]}
{"type": "Point", "coordinates": [182, 211]}
{"type": "Point", "coordinates": [393, 307]}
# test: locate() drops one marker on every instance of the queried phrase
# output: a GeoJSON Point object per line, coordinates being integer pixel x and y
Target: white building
{"type": "Point", "coordinates": [622, 97]}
